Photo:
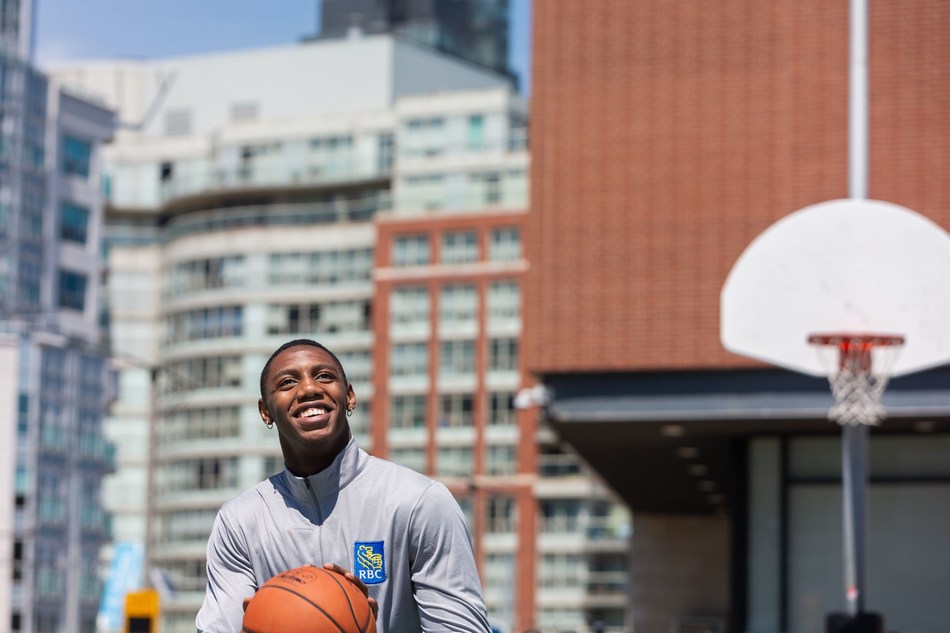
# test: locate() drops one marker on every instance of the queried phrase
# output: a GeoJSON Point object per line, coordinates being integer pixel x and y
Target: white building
{"type": "Point", "coordinates": [248, 193]}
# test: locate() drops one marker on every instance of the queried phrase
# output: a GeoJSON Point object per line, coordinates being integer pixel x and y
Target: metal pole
{"type": "Point", "coordinates": [854, 498]}
{"type": "Point", "coordinates": [858, 102]}
{"type": "Point", "coordinates": [150, 473]}
{"type": "Point", "coordinates": [854, 437]}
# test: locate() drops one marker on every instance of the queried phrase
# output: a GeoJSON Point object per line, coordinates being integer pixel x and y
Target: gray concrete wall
{"type": "Point", "coordinates": [679, 571]}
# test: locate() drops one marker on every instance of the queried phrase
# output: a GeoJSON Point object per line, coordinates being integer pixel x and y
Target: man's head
{"type": "Point", "coordinates": [295, 343]}
{"type": "Point", "coordinates": [305, 393]}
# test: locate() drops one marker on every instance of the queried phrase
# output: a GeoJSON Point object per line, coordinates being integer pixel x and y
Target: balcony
{"type": "Point", "coordinates": [150, 185]}
{"type": "Point", "coordinates": [278, 172]}
{"type": "Point", "coordinates": [303, 214]}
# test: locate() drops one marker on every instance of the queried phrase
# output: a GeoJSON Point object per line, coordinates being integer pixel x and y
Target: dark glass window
{"type": "Point", "coordinates": [76, 156]}
{"type": "Point", "coordinates": [72, 290]}
{"type": "Point", "coordinates": [74, 222]}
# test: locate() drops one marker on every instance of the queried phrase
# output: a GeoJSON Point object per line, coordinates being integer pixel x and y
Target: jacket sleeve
{"type": "Point", "coordinates": [446, 586]}
{"type": "Point", "coordinates": [230, 579]}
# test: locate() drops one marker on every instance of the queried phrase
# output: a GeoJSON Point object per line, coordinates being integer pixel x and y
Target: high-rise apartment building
{"type": "Point", "coordinates": [378, 206]}
{"type": "Point", "coordinates": [55, 381]}
{"type": "Point", "coordinates": [473, 30]}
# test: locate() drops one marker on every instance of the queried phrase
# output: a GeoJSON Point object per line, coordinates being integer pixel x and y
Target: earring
{"type": "Point", "coordinates": [269, 424]}
{"type": "Point", "coordinates": [349, 413]}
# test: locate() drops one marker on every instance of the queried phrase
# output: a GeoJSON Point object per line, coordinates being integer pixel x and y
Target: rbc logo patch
{"type": "Point", "coordinates": [369, 561]}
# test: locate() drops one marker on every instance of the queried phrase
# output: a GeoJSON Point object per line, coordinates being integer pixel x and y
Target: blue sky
{"type": "Point", "coordinates": [68, 30]}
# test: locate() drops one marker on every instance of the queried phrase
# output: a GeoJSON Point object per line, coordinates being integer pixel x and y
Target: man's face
{"type": "Point", "coordinates": [306, 396]}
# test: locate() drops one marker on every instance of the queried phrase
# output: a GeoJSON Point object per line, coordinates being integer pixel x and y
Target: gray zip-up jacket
{"type": "Point", "coordinates": [402, 533]}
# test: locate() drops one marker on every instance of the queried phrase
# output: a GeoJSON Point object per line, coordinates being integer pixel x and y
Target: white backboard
{"type": "Point", "coordinates": [855, 266]}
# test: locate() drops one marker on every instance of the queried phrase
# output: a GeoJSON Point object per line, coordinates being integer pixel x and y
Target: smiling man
{"type": "Point", "coordinates": [398, 535]}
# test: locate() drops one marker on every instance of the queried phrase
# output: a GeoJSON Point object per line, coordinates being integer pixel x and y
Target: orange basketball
{"type": "Point", "coordinates": [308, 599]}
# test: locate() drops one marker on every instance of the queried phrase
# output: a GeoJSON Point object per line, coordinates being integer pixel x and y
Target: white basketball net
{"type": "Point", "coordinates": [857, 397]}
{"type": "Point", "coordinates": [858, 376]}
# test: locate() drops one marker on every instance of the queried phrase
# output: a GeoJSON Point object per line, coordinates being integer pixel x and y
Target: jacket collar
{"type": "Point", "coordinates": [329, 481]}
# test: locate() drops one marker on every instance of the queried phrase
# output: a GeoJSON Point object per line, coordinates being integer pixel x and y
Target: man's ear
{"type": "Point", "coordinates": [350, 397]}
{"type": "Point", "coordinates": [262, 409]}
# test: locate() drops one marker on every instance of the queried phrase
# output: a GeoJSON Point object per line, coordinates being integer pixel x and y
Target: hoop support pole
{"type": "Point", "coordinates": [854, 447]}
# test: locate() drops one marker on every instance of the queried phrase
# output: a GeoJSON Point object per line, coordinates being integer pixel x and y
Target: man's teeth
{"type": "Point", "coordinates": [312, 411]}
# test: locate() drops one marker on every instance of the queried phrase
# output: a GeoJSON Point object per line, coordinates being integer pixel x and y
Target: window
{"type": "Point", "coordinates": [501, 459]}
{"type": "Point", "coordinates": [501, 408]}
{"type": "Point", "coordinates": [424, 193]}
{"type": "Point", "coordinates": [385, 158]}
{"type": "Point", "coordinates": [72, 290]}
{"type": "Point", "coordinates": [411, 250]}
{"type": "Point", "coordinates": [331, 144]}
{"type": "Point", "coordinates": [485, 188]}
{"type": "Point", "coordinates": [212, 372]}
{"type": "Point", "coordinates": [408, 412]}
{"type": "Point", "coordinates": [204, 274]}
{"type": "Point", "coordinates": [188, 525]}
{"type": "Point", "coordinates": [272, 466]}
{"type": "Point", "coordinates": [202, 423]}
{"type": "Point", "coordinates": [500, 575]}
{"type": "Point", "coordinates": [457, 358]}
{"type": "Point", "coordinates": [459, 247]}
{"type": "Point", "coordinates": [458, 304]}
{"type": "Point", "coordinates": [225, 321]}
{"type": "Point", "coordinates": [321, 267]}
{"type": "Point", "coordinates": [409, 308]}
{"type": "Point", "coordinates": [17, 560]}
{"type": "Point", "coordinates": [517, 133]}
{"type": "Point", "coordinates": [409, 359]}
{"type": "Point", "coordinates": [77, 155]}
{"type": "Point", "coordinates": [476, 132]}
{"type": "Point", "coordinates": [504, 302]}
{"type": "Point", "coordinates": [560, 515]}
{"type": "Point", "coordinates": [553, 462]}
{"type": "Point", "coordinates": [358, 370]}
{"type": "Point", "coordinates": [505, 245]}
{"type": "Point", "coordinates": [411, 457]}
{"type": "Point", "coordinates": [425, 137]}
{"type": "Point", "coordinates": [562, 570]}
{"type": "Point", "coordinates": [360, 421]}
{"type": "Point", "coordinates": [503, 354]}
{"type": "Point", "coordinates": [189, 575]}
{"type": "Point", "coordinates": [455, 410]}
{"type": "Point", "coordinates": [500, 515]}
{"type": "Point", "coordinates": [210, 473]}
{"type": "Point", "coordinates": [332, 156]}
{"type": "Point", "coordinates": [74, 222]}
{"type": "Point", "coordinates": [454, 461]}
{"type": "Point", "coordinates": [332, 317]}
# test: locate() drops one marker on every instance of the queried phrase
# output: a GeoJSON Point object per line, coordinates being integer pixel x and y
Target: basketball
{"type": "Point", "coordinates": [308, 599]}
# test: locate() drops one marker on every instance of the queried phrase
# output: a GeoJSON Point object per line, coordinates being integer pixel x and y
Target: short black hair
{"type": "Point", "coordinates": [297, 342]}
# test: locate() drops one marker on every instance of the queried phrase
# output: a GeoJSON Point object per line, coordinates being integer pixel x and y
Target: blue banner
{"type": "Point", "coordinates": [125, 575]}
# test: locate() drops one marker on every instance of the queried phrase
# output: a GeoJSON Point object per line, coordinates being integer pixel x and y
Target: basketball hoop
{"type": "Point", "coordinates": [859, 367]}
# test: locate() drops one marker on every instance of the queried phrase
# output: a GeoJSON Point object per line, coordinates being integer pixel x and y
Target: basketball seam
{"type": "Point", "coordinates": [350, 603]}
{"type": "Point", "coordinates": [312, 603]}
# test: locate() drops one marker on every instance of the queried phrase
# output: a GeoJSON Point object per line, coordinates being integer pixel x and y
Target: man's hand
{"type": "Point", "coordinates": [346, 573]}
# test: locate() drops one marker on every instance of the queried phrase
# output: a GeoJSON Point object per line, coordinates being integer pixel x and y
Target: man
{"type": "Point", "coordinates": [402, 534]}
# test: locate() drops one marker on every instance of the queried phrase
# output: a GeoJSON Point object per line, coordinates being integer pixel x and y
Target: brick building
{"type": "Point", "coordinates": [665, 137]}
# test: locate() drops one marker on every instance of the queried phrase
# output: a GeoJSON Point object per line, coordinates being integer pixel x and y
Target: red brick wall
{"type": "Point", "coordinates": [667, 135]}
